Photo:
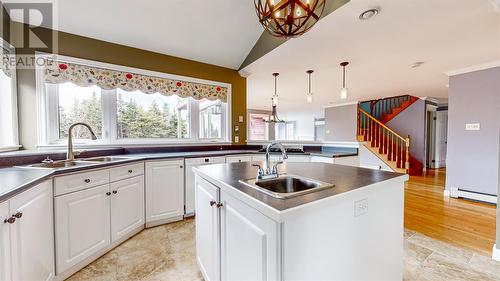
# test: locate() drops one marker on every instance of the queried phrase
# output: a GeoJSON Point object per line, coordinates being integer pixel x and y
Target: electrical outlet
{"type": "Point", "coordinates": [360, 207]}
{"type": "Point", "coordinates": [236, 139]}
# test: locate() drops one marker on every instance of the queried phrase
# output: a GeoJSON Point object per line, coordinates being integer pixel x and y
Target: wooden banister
{"type": "Point", "coordinates": [388, 142]}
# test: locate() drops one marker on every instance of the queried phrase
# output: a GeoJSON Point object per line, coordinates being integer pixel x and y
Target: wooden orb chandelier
{"type": "Point", "coordinates": [288, 18]}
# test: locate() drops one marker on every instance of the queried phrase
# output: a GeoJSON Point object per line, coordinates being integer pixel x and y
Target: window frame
{"type": "Point", "coordinates": [14, 118]}
{"type": "Point", "coordinates": [47, 110]}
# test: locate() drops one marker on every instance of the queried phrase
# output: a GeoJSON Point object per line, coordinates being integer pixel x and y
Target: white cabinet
{"type": "Point", "coordinates": [82, 225]}
{"type": "Point", "coordinates": [32, 234]}
{"type": "Point", "coordinates": [241, 245]}
{"type": "Point", "coordinates": [127, 206]}
{"type": "Point", "coordinates": [190, 163]}
{"type": "Point", "coordinates": [207, 229]}
{"type": "Point", "coordinates": [164, 191]}
{"type": "Point", "coordinates": [91, 221]}
{"type": "Point", "coordinates": [4, 242]}
{"type": "Point", "coordinates": [249, 242]}
{"type": "Point", "coordinates": [238, 158]}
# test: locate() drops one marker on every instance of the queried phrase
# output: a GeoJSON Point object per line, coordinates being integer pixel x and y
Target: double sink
{"type": "Point", "coordinates": [78, 163]}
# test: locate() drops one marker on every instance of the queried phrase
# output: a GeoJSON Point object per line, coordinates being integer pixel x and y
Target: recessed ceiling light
{"type": "Point", "coordinates": [417, 64]}
{"type": "Point", "coordinates": [368, 14]}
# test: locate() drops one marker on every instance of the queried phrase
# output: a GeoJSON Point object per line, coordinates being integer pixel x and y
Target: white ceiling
{"type": "Point", "coordinates": [445, 34]}
{"type": "Point", "coordinates": [219, 32]}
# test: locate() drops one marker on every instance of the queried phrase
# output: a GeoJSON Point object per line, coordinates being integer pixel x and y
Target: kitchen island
{"type": "Point", "coordinates": [352, 230]}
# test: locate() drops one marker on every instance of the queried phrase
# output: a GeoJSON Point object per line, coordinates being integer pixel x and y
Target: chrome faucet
{"type": "Point", "coordinates": [269, 171]}
{"type": "Point", "coordinates": [70, 155]}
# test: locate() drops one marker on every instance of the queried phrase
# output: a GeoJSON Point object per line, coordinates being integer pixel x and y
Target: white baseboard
{"type": "Point", "coordinates": [454, 192]}
{"type": "Point", "coordinates": [496, 253]}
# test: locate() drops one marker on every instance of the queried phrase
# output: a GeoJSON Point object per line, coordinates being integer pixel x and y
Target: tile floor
{"type": "Point", "coordinates": [168, 253]}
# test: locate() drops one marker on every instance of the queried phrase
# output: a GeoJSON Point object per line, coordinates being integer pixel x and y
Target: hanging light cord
{"type": "Point", "coordinates": [309, 82]}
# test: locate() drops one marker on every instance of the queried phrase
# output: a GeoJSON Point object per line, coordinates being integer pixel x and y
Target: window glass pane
{"type": "Point", "coordinates": [141, 115]}
{"type": "Point", "coordinates": [79, 104]}
{"type": "Point", "coordinates": [210, 119]}
{"type": "Point", "coordinates": [6, 110]}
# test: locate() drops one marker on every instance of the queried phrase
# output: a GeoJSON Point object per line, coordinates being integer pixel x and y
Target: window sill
{"type": "Point", "coordinates": [120, 145]}
{"type": "Point", "coordinates": [9, 148]}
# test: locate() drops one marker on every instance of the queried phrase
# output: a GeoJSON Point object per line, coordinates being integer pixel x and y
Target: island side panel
{"type": "Point", "coordinates": [327, 241]}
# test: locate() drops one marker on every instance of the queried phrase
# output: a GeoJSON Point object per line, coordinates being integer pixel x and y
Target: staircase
{"type": "Point", "coordinates": [392, 148]}
{"type": "Point", "coordinates": [385, 109]}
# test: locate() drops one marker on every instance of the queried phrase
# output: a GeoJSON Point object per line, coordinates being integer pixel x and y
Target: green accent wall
{"type": "Point", "coordinates": [102, 51]}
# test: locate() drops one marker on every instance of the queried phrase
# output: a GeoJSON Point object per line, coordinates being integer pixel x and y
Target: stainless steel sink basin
{"type": "Point", "coordinates": [107, 159]}
{"type": "Point", "coordinates": [61, 164]}
{"type": "Point", "coordinates": [285, 186]}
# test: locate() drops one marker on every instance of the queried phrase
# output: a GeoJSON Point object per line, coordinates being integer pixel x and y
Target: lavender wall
{"type": "Point", "coordinates": [340, 123]}
{"type": "Point", "coordinates": [472, 161]}
{"type": "Point", "coordinates": [411, 122]}
{"type": "Point", "coordinates": [498, 197]}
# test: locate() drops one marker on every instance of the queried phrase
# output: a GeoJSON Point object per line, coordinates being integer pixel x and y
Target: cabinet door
{"type": "Point", "coordinates": [249, 242]}
{"type": "Point", "coordinates": [164, 190]}
{"type": "Point", "coordinates": [190, 163]}
{"type": "Point", "coordinates": [32, 235]}
{"type": "Point", "coordinates": [127, 206]}
{"type": "Point", "coordinates": [82, 225]}
{"type": "Point", "coordinates": [4, 242]}
{"type": "Point", "coordinates": [207, 226]}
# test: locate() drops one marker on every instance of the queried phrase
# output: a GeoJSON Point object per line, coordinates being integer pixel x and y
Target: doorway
{"type": "Point", "coordinates": [437, 136]}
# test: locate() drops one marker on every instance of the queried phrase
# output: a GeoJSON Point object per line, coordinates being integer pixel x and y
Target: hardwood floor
{"type": "Point", "coordinates": [457, 221]}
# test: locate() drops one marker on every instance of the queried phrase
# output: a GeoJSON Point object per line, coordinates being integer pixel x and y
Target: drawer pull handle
{"type": "Point", "coordinates": [212, 203]}
{"type": "Point", "coordinates": [219, 205]}
{"type": "Point", "coordinates": [207, 160]}
{"type": "Point", "coordinates": [130, 171]}
{"type": "Point", "coordinates": [115, 191]}
{"type": "Point", "coordinates": [108, 193]}
{"type": "Point", "coordinates": [181, 166]}
{"type": "Point", "coordinates": [10, 220]}
{"type": "Point", "coordinates": [87, 180]}
{"type": "Point", "coordinates": [18, 215]}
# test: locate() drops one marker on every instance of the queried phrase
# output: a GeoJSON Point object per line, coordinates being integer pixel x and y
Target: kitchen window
{"type": "Point", "coordinates": [132, 116]}
{"type": "Point", "coordinates": [8, 100]}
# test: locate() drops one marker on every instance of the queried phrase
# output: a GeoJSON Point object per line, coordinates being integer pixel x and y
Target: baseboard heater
{"type": "Point", "coordinates": [476, 196]}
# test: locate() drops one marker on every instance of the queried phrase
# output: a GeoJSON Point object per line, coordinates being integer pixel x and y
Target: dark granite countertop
{"type": "Point", "coordinates": [14, 180]}
{"type": "Point", "coordinates": [345, 179]}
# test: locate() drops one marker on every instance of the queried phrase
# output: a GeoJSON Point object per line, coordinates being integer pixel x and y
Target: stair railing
{"type": "Point", "coordinates": [396, 147]}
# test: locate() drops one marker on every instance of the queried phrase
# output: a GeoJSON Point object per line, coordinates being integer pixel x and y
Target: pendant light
{"type": "Point", "coordinates": [273, 118]}
{"type": "Point", "coordinates": [343, 91]}
{"type": "Point", "coordinates": [288, 18]}
{"type": "Point", "coordinates": [309, 96]}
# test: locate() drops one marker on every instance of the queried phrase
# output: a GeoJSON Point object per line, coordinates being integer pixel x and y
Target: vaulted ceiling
{"type": "Point", "coordinates": [445, 35]}
{"type": "Point", "coordinates": [219, 32]}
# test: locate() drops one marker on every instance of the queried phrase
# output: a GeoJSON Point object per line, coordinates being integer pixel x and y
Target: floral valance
{"type": "Point", "coordinates": [82, 75]}
{"type": "Point", "coordinates": [5, 63]}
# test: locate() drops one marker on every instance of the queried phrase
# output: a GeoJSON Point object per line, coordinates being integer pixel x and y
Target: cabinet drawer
{"type": "Point", "coordinates": [238, 158]}
{"type": "Point", "coordinates": [127, 171]}
{"type": "Point", "coordinates": [80, 181]}
{"type": "Point", "coordinates": [206, 160]}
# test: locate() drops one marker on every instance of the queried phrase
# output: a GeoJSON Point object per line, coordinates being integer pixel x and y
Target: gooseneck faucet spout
{"type": "Point", "coordinates": [271, 171]}
{"type": "Point", "coordinates": [70, 155]}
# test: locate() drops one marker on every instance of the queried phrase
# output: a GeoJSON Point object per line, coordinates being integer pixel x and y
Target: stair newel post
{"type": "Point", "coordinates": [407, 163]}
